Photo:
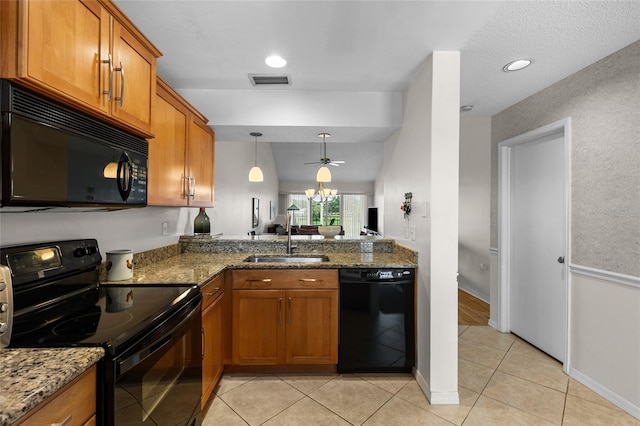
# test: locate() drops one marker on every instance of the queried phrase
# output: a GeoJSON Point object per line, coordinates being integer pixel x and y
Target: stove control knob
{"type": "Point", "coordinates": [92, 250]}
{"type": "Point", "coordinates": [3, 327]}
{"type": "Point", "coordinates": [80, 251]}
{"type": "Point", "coordinates": [4, 307]}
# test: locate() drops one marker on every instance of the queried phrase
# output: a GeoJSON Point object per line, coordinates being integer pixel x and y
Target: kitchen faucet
{"type": "Point", "coordinates": [290, 211]}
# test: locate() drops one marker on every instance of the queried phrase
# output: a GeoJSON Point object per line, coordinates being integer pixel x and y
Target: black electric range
{"type": "Point", "coordinates": [151, 333]}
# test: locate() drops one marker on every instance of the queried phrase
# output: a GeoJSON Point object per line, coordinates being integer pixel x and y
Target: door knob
{"type": "Point", "coordinates": [561, 259]}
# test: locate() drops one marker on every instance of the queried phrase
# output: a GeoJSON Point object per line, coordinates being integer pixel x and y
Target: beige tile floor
{"type": "Point", "coordinates": [502, 381]}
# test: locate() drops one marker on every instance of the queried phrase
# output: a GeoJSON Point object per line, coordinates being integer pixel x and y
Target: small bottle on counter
{"type": "Point", "coordinates": [201, 224]}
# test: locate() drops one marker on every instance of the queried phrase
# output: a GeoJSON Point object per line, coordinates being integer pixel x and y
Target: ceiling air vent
{"type": "Point", "coordinates": [269, 79]}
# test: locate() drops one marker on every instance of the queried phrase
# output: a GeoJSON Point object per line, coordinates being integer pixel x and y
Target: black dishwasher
{"type": "Point", "coordinates": [377, 320]}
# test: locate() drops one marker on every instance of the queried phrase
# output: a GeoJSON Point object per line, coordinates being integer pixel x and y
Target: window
{"type": "Point", "coordinates": [354, 207]}
{"type": "Point", "coordinates": [300, 217]}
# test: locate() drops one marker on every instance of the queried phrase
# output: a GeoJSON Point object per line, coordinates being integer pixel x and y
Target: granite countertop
{"type": "Point", "coordinates": [29, 376]}
{"type": "Point", "coordinates": [198, 268]}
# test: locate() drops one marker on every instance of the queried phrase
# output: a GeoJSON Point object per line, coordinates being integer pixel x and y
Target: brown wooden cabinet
{"type": "Point", "coordinates": [285, 317]}
{"type": "Point", "coordinates": [212, 340]}
{"type": "Point", "coordinates": [85, 53]}
{"type": "Point", "coordinates": [181, 156]}
{"type": "Point", "coordinates": [73, 405]}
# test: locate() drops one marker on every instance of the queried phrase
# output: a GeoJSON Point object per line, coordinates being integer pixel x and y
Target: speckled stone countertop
{"type": "Point", "coordinates": [198, 268]}
{"type": "Point", "coordinates": [29, 376]}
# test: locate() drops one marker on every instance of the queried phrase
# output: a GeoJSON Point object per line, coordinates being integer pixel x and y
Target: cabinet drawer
{"type": "Point", "coordinates": [211, 290]}
{"type": "Point", "coordinates": [76, 400]}
{"type": "Point", "coordinates": [284, 278]}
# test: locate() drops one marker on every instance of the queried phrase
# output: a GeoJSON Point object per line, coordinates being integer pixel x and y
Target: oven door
{"type": "Point", "coordinates": [158, 381]}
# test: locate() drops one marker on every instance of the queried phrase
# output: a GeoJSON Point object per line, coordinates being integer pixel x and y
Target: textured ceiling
{"type": "Point", "coordinates": [353, 47]}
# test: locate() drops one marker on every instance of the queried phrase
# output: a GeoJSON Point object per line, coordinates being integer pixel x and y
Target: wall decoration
{"type": "Point", "coordinates": [256, 212]}
{"type": "Point", "coordinates": [406, 206]}
{"type": "Point", "coordinates": [272, 210]}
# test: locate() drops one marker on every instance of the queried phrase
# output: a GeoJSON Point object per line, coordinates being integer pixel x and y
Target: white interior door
{"type": "Point", "coordinates": [537, 290]}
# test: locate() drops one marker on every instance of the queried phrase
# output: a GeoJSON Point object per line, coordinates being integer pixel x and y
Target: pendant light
{"type": "Point", "coordinates": [255, 174]}
{"type": "Point", "coordinates": [324, 174]}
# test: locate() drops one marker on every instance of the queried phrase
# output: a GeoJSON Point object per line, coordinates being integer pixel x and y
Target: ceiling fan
{"type": "Point", "coordinates": [324, 160]}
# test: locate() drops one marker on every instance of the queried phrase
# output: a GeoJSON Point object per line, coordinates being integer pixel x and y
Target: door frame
{"type": "Point", "coordinates": [504, 222]}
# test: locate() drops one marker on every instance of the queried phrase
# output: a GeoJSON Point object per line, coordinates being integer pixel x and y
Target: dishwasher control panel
{"type": "Point", "coordinates": [375, 274]}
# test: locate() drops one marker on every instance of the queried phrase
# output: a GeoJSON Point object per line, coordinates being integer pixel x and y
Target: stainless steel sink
{"type": "Point", "coordinates": [288, 258]}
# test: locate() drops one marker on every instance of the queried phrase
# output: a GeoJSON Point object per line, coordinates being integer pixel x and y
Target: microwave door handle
{"type": "Point", "coordinates": [124, 176]}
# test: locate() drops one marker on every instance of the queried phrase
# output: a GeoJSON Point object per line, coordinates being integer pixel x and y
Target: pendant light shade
{"type": "Point", "coordinates": [255, 174]}
{"type": "Point", "coordinates": [324, 174]}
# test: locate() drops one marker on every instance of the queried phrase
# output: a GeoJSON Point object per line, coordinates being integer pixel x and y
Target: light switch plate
{"type": "Point", "coordinates": [165, 228]}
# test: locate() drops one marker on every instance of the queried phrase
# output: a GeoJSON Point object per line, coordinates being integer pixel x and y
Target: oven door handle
{"type": "Point", "coordinates": [157, 345]}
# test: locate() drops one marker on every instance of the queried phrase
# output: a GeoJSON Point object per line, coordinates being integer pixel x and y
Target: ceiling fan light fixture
{"type": "Point", "coordinates": [324, 174]}
{"type": "Point", "coordinates": [517, 65]}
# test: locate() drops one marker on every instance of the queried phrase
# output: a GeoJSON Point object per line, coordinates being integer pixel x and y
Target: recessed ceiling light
{"type": "Point", "coordinates": [466, 108]}
{"type": "Point", "coordinates": [275, 61]}
{"type": "Point", "coordinates": [517, 65]}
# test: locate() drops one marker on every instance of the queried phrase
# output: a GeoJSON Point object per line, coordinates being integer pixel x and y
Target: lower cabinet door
{"type": "Point", "coordinates": [212, 363]}
{"type": "Point", "coordinates": [258, 334]}
{"type": "Point", "coordinates": [312, 327]}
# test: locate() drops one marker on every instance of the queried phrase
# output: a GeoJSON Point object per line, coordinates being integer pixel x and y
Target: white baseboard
{"type": "Point", "coordinates": [493, 324]}
{"type": "Point", "coordinates": [437, 398]}
{"type": "Point", "coordinates": [474, 293]}
{"type": "Point", "coordinates": [607, 394]}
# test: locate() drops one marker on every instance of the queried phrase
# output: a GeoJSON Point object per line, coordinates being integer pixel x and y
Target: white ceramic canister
{"type": "Point", "coordinates": [119, 265]}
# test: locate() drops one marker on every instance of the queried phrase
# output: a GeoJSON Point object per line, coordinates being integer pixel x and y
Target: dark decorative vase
{"type": "Point", "coordinates": [201, 224]}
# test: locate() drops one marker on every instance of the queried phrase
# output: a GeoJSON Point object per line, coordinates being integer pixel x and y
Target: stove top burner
{"type": "Point", "coordinates": [79, 327]}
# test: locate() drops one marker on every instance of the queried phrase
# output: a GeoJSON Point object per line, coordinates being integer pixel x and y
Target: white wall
{"type": "Point", "coordinates": [422, 158]}
{"type": "Point", "coordinates": [232, 210]}
{"type": "Point", "coordinates": [475, 201]}
{"type": "Point", "coordinates": [136, 229]}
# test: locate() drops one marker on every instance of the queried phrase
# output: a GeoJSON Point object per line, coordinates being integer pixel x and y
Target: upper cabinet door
{"type": "Point", "coordinates": [134, 79]}
{"type": "Point", "coordinates": [201, 164]}
{"type": "Point", "coordinates": [167, 154]}
{"type": "Point", "coordinates": [66, 43]}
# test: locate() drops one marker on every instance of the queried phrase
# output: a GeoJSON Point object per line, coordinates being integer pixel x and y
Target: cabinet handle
{"type": "Point", "coordinates": [64, 422]}
{"type": "Point", "coordinates": [279, 310]}
{"type": "Point", "coordinates": [309, 282]}
{"type": "Point", "coordinates": [204, 341]}
{"type": "Point", "coordinates": [289, 311]}
{"type": "Point", "coordinates": [192, 190]}
{"type": "Point", "coordinates": [121, 98]}
{"type": "Point", "coordinates": [110, 91]}
{"type": "Point", "coordinates": [260, 280]}
{"type": "Point", "coordinates": [215, 290]}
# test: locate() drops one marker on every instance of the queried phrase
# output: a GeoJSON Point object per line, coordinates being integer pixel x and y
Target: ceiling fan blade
{"type": "Point", "coordinates": [334, 164]}
{"type": "Point", "coordinates": [338, 161]}
{"type": "Point", "coordinates": [315, 162]}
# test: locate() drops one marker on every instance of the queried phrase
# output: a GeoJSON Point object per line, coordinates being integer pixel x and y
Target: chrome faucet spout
{"type": "Point", "coordinates": [289, 246]}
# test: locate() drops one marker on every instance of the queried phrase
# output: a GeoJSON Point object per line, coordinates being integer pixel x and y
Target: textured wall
{"type": "Point", "coordinates": [603, 101]}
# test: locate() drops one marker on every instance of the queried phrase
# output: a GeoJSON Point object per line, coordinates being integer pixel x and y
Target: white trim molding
{"type": "Point", "coordinates": [614, 277]}
{"type": "Point", "coordinates": [607, 394]}
{"type": "Point", "coordinates": [436, 398]}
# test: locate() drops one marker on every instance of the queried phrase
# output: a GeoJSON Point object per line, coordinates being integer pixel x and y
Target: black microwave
{"type": "Point", "coordinates": [52, 155]}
